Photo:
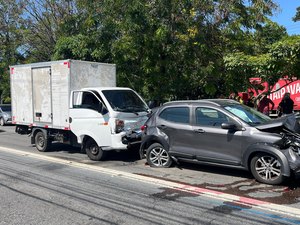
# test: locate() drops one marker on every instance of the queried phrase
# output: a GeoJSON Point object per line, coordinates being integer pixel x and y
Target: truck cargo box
{"type": "Point", "coordinates": [41, 91]}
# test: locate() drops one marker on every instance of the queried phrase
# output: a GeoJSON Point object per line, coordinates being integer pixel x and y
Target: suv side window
{"type": "Point", "coordinates": [210, 117]}
{"type": "Point", "coordinates": [176, 114]}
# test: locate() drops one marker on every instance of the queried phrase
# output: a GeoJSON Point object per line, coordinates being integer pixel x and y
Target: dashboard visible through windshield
{"type": "Point", "coordinates": [125, 101]}
{"type": "Point", "coordinates": [247, 114]}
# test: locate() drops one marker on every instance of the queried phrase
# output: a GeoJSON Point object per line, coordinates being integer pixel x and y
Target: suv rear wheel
{"type": "Point", "coordinates": [267, 169]}
{"type": "Point", "coordinates": [157, 156]}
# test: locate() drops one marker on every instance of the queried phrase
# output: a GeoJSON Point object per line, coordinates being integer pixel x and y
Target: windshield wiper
{"type": "Point", "coordinates": [136, 108]}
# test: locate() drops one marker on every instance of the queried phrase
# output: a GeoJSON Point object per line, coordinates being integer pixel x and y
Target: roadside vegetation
{"type": "Point", "coordinates": [165, 50]}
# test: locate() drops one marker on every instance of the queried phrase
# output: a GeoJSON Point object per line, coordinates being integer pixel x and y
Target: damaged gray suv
{"type": "Point", "coordinates": [223, 133]}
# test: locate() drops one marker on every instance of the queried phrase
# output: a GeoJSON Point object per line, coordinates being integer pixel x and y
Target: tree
{"type": "Point", "coordinates": [43, 23]}
{"type": "Point", "coordinates": [177, 45]}
{"type": "Point", "coordinates": [10, 37]}
{"type": "Point", "coordinates": [163, 49]}
{"type": "Point", "coordinates": [297, 16]}
{"type": "Point", "coordinates": [281, 60]}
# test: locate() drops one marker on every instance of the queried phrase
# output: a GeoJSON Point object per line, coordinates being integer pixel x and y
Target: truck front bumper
{"type": "Point", "coordinates": [124, 140]}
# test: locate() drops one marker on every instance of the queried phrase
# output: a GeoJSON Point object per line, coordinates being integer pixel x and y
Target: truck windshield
{"type": "Point", "coordinates": [247, 114]}
{"type": "Point", "coordinates": [125, 101]}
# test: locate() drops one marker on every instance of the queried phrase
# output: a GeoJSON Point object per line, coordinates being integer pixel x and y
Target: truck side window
{"type": "Point", "coordinates": [89, 101]}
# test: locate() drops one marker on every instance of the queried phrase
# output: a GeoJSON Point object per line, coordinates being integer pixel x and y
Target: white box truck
{"type": "Point", "coordinates": [75, 102]}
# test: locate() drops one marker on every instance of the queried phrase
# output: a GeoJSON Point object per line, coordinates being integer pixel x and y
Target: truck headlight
{"type": "Point", "coordinates": [119, 125]}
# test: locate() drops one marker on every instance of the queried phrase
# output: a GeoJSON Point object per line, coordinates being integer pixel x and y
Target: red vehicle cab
{"type": "Point", "coordinates": [277, 92]}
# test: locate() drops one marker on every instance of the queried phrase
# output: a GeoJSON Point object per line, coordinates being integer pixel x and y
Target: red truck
{"type": "Point", "coordinates": [282, 86]}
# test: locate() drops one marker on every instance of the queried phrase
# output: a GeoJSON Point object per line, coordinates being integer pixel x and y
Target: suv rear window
{"type": "Point", "coordinates": [176, 114]}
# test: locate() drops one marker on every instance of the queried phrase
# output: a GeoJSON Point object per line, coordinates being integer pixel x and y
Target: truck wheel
{"type": "Point", "coordinates": [266, 169]}
{"type": "Point", "coordinates": [2, 123]}
{"type": "Point", "coordinates": [93, 151]}
{"type": "Point", "coordinates": [41, 142]}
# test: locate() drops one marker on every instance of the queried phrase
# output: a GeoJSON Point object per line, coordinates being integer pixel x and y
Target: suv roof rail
{"type": "Point", "coordinates": [216, 102]}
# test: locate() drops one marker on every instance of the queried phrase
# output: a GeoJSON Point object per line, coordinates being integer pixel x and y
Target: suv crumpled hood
{"type": "Point", "coordinates": [278, 125]}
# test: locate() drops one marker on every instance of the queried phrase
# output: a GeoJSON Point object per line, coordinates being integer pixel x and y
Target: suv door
{"type": "Point", "coordinates": [211, 142]}
{"type": "Point", "coordinates": [174, 125]}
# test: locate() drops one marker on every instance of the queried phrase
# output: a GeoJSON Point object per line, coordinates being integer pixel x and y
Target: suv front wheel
{"type": "Point", "coordinates": [266, 169]}
{"type": "Point", "coordinates": [158, 156]}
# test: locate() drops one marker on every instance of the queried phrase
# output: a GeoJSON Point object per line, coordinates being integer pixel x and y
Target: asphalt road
{"type": "Point", "coordinates": [36, 190]}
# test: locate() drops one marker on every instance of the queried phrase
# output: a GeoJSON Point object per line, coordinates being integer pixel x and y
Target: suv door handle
{"type": "Point", "coordinates": [199, 131]}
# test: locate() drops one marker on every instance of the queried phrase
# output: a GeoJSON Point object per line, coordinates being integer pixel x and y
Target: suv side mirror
{"type": "Point", "coordinates": [229, 126]}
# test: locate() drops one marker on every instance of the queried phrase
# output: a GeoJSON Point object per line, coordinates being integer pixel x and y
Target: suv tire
{"type": "Point", "coordinates": [266, 168]}
{"type": "Point", "coordinates": [158, 156]}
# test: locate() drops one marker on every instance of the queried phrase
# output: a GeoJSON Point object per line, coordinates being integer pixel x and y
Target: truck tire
{"type": "Point", "coordinates": [42, 144]}
{"type": "Point", "coordinates": [93, 151]}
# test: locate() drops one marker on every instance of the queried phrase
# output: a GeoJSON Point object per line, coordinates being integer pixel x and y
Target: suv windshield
{"type": "Point", "coordinates": [247, 114]}
{"type": "Point", "coordinates": [125, 101]}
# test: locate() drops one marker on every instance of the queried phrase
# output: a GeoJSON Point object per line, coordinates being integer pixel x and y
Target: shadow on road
{"type": "Point", "coordinates": [130, 155]}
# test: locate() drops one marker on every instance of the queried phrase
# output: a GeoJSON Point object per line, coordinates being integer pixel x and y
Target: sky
{"type": "Point", "coordinates": [285, 15]}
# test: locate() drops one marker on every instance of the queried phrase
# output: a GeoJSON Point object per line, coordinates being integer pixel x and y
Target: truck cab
{"type": "Point", "coordinates": [111, 117]}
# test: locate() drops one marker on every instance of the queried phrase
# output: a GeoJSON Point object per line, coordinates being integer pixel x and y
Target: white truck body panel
{"type": "Point", "coordinates": [41, 91]}
{"type": "Point", "coordinates": [88, 121]}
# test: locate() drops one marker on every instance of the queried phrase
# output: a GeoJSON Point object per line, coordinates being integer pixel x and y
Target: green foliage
{"type": "Point", "coordinates": [164, 49]}
{"type": "Point", "coordinates": [282, 59]}
{"type": "Point", "coordinates": [297, 16]}
{"type": "Point", "coordinates": [10, 40]}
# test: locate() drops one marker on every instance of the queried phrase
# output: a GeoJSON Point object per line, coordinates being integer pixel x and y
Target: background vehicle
{"type": "Point", "coordinates": [281, 87]}
{"type": "Point", "coordinates": [77, 103]}
{"type": "Point", "coordinates": [223, 133]}
{"type": "Point", "coordinates": [5, 114]}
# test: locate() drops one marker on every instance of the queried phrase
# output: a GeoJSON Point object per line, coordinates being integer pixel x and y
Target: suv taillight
{"type": "Point", "coordinates": [119, 125]}
{"type": "Point", "coordinates": [143, 128]}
